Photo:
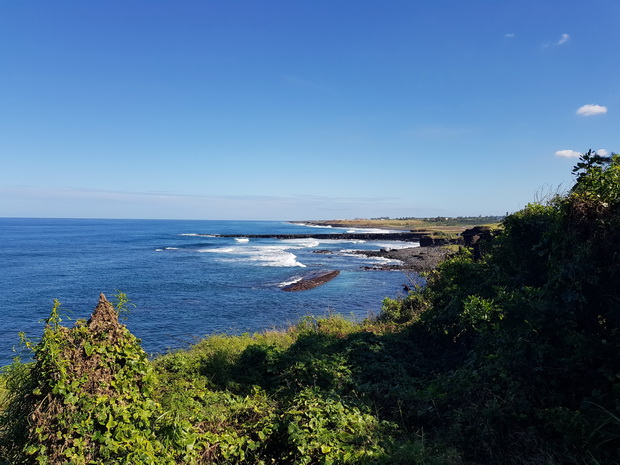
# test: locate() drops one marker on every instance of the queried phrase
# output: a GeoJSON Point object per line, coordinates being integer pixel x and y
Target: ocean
{"type": "Point", "coordinates": [184, 283]}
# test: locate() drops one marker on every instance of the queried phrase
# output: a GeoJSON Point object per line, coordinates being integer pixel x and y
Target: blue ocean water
{"type": "Point", "coordinates": [184, 284]}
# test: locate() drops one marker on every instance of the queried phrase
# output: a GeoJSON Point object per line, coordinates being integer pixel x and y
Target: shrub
{"type": "Point", "coordinates": [88, 396]}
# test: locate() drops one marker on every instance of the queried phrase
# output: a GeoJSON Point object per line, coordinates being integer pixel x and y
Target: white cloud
{"type": "Point", "coordinates": [512, 35]}
{"type": "Point", "coordinates": [591, 109]}
{"type": "Point", "coordinates": [567, 154]}
{"type": "Point", "coordinates": [602, 152]}
{"type": "Point", "coordinates": [563, 39]}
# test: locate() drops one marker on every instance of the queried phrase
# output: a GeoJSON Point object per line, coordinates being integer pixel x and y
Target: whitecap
{"type": "Point", "coordinates": [351, 253]}
{"type": "Point", "coordinates": [267, 255]}
{"type": "Point", "coordinates": [386, 261]}
{"type": "Point", "coordinates": [293, 280]}
{"type": "Point", "coordinates": [275, 256]}
{"type": "Point", "coordinates": [342, 241]}
{"type": "Point", "coordinates": [374, 231]}
{"type": "Point", "coordinates": [217, 250]}
{"type": "Point", "coordinates": [312, 225]}
{"type": "Point", "coordinates": [242, 239]}
{"type": "Point", "coordinates": [393, 245]}
{"type": "Point", "coordinates": [302, 243]}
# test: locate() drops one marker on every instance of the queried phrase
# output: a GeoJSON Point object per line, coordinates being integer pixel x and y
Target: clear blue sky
{"type": "Point", "coordinates": [306, 109]}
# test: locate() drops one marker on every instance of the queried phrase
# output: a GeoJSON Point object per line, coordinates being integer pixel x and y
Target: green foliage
{"type": "Point", "coordinates": [403, 310]}
{"type": "Point", "coordinates": [290, 397]}
{"type": "Point", "coordinates": [122, 304]}
{"type": "Point", "coordinates": [536, 325]}
{"type": "Point", "coordinates": [460, 220]}
{"type": "Point", "coordinates": [87, 397]}
{"type": "Point", "coordinates": [598, 177]}
{"type": "Point", "coordinates": [325, 430]}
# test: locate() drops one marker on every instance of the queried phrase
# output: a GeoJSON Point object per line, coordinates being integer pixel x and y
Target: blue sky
{"type": "Point", "coordinates": [290, 110]}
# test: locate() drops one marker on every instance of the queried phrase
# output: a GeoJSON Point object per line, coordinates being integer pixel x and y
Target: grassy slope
{"type": "Point", "coordinates": [326, 391]}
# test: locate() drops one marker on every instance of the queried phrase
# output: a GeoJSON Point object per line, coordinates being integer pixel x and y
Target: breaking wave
{"type": "Point", "coordinates": [267, 255]}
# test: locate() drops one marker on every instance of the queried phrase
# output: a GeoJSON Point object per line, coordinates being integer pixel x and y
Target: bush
{"type": "Point", "coordinates": [86, 398]}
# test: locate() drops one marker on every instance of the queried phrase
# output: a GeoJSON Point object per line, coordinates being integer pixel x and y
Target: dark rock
{"type": "Point", "coordinates": [311, 281]}
{"type": "Point", "coordinates": [474, 237]}
{"type": "Point", "coordinates": [400, 236]}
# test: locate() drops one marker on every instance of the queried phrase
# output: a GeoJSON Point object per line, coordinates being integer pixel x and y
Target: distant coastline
{"type": "Point", "coordinates": [432, 249]}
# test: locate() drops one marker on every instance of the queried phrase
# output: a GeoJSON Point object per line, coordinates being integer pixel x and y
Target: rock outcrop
{"type": "Point", "coordinates": [311, 281]}
{"type": "Point", "coordinates": [475, 237]}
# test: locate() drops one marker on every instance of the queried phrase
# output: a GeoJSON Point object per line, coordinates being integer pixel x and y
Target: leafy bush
{"type": "Point", "coordinates": [87, 397]}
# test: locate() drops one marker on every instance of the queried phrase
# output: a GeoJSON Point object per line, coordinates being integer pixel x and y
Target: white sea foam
{"type": "Point", "coordinates": [197, 235]}
{"type": "Point", "coordinates": [312, 225]}
{"type": "Point", "coordinates": [373, 231]}
{"type": "Point", "coordinates": [218, 250]}
{"type": "Point", "coordinates": [166, 248]}
{"type": "Point", "coordinates": [302, 243]}
{"type": "Point", "coordinates": [391, 245]}
{"type": "Point", "coordinates": [350, 252]}
{"type": "Point", "coordinates": [268, 255]}
{"type": "Point", "coordinates": [242, 239]}
{"type": "Point", "coordinates": [293, 280]}
{"type": "Point", "coordinates": [342, 241]}
{"type": "Point", "coordinates": [386, 261]}
{"type": "Point", "coordinates": [275, 256]}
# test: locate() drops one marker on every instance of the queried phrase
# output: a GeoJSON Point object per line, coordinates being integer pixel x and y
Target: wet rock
{"type": "Point", "coordinates": [311, 281]}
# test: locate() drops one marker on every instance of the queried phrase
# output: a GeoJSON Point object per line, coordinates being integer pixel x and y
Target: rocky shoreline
{"type": "Point", "coordinates": [418, 259]}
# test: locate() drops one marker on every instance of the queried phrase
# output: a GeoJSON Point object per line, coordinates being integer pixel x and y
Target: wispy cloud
{"type": "Point", "coordinates": [591, 110]}
{"type": "Point", "coordinates": [568, 154]}
{"type": "Point", "coordinates": [564, 38]}
{"type": "Point", "coordinates": [510, 35]}
{"type": "Point", "coordinates": [602, 152]}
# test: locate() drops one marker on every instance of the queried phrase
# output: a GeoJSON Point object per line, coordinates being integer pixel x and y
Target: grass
{"type": "Point", "coordinates": [415, 225]}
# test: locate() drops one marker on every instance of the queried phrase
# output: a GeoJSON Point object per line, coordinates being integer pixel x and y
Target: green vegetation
{"type": "Point", "coordinates": [510, 359]}
{"type": "Point", "coordinates": [461, 220]}
{"type": "Point", "coordinates": [403, 224]}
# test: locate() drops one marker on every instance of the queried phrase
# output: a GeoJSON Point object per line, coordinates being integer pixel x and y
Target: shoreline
{"type": "Point", "coordinates": [421, 259]}
{"type": "Point", "coordinates": [416, 259]}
